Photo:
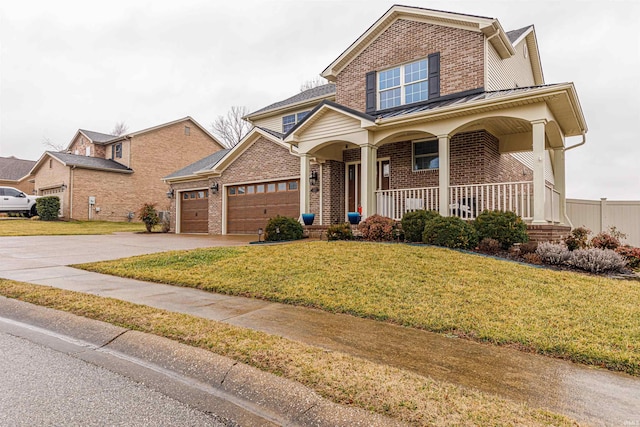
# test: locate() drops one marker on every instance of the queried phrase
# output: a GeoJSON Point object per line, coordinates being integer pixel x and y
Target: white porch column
{"type": "Point", "coordinates": [305, 170]}
{"type": "Point", "coordinates": [368, 159]}
{"type": "Point", "coordinates": [560, 183]}
{"type": "Point", "coordinates": [443, 173]}
{"type": "Point", "coordinates": [538, 171]}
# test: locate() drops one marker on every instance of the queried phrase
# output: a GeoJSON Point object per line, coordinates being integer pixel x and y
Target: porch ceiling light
{"type": "Point", "coordinates": [313, 178]}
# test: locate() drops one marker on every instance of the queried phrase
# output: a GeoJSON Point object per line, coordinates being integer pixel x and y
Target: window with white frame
{"type": "Point", "coordinates": [425, 155]}
{"type": "Point", "coordinates": [116, 151]}
{"type": "Point", "coordinates": [291, 120]}
{"type": "Point", "coordinates": [405, 84]}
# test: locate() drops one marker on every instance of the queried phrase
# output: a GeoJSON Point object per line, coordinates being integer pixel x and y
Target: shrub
{"type": "Point", "coordinates": [450, 232]}
{"type": "Point", "coordinates": [578, 239]}
{"type": "Point", "coordinates": [149, 215]}
{"type": "Point", "coordinates": [340, 232]}
{"type": "Point", "coordinates": [528, 248]}
{"type": "Point", "coordinates": [413, 224]}
{"type": "Point", "coordinates": [378, 228]}
{"type": "Point", "coordinates": [532, 258]}
{"type": "Point", "coordinates": [605, 240]}
{"type": "Point", "coordinates": [597, 260]}
{"type": "Point", "coordinates": [490, 246]}
{"type": "Point", "coordinates": [553, 253]}
{"type": "Point", "coordinates": [504, 226]}
{"type": "Point", "coordinates": [48, 207]}
{"type": "Point", "coordinates": [630, 254]}
{"type": "Point", "coordinates": [283, 228]}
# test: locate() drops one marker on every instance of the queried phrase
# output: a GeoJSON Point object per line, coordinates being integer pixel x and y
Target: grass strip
{"type": "Point", "coordinates": [16, 227]}
{"type": "Point", "coordinates": [341, 378]}
{"type": "Point", "coordinates": [585, 319]}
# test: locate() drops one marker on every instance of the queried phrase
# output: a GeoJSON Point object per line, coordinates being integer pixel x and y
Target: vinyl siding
{"type": "Point", "coordinates": [331, 124]}
{"type": "Point", "coordinates": [510, 72]}
{"type": "Point", "coordinates": [526, 158]}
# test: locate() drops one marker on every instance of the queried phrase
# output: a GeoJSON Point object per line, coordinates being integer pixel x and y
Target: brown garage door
{"type": "Point", "coordinates": [194, 211]}
{"type": "Point", "coordinates": [250, 206]}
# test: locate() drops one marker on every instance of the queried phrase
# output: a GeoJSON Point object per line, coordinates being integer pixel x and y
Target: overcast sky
{"type": "Point", "coordinates": [66, 65]}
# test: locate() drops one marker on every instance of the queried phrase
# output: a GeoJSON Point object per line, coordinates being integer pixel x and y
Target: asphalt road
{"type": "Point", "coordinates": [43, 387]}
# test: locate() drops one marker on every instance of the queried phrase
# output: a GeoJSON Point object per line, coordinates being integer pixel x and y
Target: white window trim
{"type": "Point", "coordinates": [413, 155]}
{"type": "Point", "coordinates": [296, 119]}
{"type": "Point", "coordinates": [402, 86]}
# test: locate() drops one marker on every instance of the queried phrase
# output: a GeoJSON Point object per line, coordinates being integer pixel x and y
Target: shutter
{"type": "Point", "coordinates": [434, 75]}
{"type": "Point", "coordinates": [371, 92]}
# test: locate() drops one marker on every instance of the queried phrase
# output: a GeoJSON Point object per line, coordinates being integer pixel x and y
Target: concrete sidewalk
{"type": "Point", "coordinates": [586, 394]}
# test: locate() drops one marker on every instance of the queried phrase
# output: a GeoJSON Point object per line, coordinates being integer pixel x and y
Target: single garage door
{"type": "Point", "coordinates": [194, 211]}
{"type": "Point", "coordinates": [250, 206]}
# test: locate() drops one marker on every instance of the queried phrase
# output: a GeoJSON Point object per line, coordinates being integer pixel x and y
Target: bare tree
{"type": "Point", "coordinates": [230, 129]}
{"type": "Point", "coordinates": [315, 82]}
{"type": "Point", "coordinates": [47, 142]}
{"type": "Point", "coordinates": [120, 128]}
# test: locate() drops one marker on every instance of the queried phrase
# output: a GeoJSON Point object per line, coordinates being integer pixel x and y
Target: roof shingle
{"type": "Point", "coordinates": [87, 162]}
{"type": "Point", "coordinates": [203, 164]}
{"type": "Point", "coordinates": [514, 35]}
{"type": "Point", "coordinates": [98, 137]}
{"type": "Point", "coordinates": [316, 92]}
{"type": "Point", "coordinates": [14, 169]}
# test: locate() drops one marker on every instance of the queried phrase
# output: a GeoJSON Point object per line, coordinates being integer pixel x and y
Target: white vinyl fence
{"type": "Point", "coordinates": [599, 215]}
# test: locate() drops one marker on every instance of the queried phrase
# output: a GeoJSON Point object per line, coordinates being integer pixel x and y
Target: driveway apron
{"type": "Point", "coordinates": [587, 394]}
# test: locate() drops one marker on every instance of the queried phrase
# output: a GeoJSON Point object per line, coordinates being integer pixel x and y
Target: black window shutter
{"type": "Point", "coordinates": [371, 92]}
{"type": "Point", "coordinates": [434, 75]}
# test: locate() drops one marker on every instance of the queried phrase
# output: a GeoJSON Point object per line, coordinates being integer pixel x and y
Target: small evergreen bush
{"type": "Point", "coordinates": [149, 215]}
{"type": "Point", "coordinates": [340, 232]}
{"type": "Point", "coordinates": [578, 238]}
{"type": "Point", "coordinates": [630, 254]}
{"type": "Point", "coordinates": [413, 224]}
{"type": "Point", "coordinates": [450, 232]}
{"type": "Point", "coordinates": [553, 253]}
{"type": "Point", "coordinates": [605, 240]}
{"type": "Point", "coordinates": [283, 228]}
{"type": "Point", "coordinates": [504, 226]}
{"type": "Point", "coordinates": [597, 260]}
{"type": "Point", "coordinates": [378, 228]}
{"type": "Point", "coordinates": [48, 208]}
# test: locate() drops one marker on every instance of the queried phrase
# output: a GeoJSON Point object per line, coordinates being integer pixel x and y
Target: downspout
{"type": "Point", "coordinates": [584, 140]}
{"type": "Point", "coordinates": [71, 193]}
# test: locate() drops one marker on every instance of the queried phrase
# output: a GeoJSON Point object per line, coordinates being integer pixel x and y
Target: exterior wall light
{"type": "Point", "coordinates": [63, 186]}
{"type": "Point", "coordinates": [260, 232]}
{"type": "Point", "coordinates": [214, 188]}
{"type": "Point", "coordinates": [313, 178]}
{"type": "Point", "coordinates": [170, 193]}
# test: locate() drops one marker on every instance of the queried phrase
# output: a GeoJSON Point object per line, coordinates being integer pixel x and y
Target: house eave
{"type": "Point", "coordinates": [289, 107]}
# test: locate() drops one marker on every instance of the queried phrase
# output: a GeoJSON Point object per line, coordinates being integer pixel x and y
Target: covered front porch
{"type": "Point", "coordinates": [506, 157]}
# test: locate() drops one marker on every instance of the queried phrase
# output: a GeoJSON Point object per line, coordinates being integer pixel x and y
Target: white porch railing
{"type": "Point", "coordinates": [551, 204]}
{"type": "Point", "coordinates": [395, 203]}
{"type": "Point", "coordinates": [466, 201]}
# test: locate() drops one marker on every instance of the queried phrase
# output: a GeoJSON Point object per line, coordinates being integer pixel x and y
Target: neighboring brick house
{"type": "Point", "coordinates": [15, 173]}
{"type": "Point", "coordinates": [106, 177]}
{"type": "Point", "coordinates": [426, 110]}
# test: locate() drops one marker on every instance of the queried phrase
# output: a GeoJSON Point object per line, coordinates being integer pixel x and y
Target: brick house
{"type": "Point", "coordinates": [425, 110]}
{"type": "Point", "coordinates": [106, 177]}
{"type": "Point", "coordinates": [15, 173]}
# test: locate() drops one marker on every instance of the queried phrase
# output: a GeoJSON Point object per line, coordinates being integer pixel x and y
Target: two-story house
{"type": "Point", "coordinates": [107, 177]}
{"type": "Point", "coordinates": [425, 110]}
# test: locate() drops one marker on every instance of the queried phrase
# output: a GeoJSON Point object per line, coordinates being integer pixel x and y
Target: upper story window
{"type": "Point", "coordinates": [291, 120]}
{"type": "Point", "coordinates": [187, 130]}
{"type": "Point", "coordinates": [116, 151]}
{"type": "Point", "coordinates": [87, 151]}
{"type": "Point", "coordinates": [405, 84]}
{"type": "Point", "coordinates": [425, 155]}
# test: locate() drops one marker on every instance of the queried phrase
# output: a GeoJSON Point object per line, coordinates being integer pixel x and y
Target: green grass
{"type": "Point", "coordinates": [19, 227]}
{"type": "Point", "coordinates": [586, 319]}
{"type": "Point", "coordinates": [344, 379]}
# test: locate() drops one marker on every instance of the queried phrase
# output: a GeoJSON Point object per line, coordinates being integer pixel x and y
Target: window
{"type": "Point", "coordinates": [405, 84]}
{"type": "Point", "coordinates": [232, 191]}
{"type": "Point", "coordinates": [293, 185]}
{"type": "Point", "coordinates": [425, 155]}
{"type": "Point", "coordinates": [87, 151]}
{"type": "Point", "coordinates": [291, 120]}
{"type": "Point", "coordinates": [260, 188]}
{"type": "Point", "coordinates": [251, 189]}
{"type": "Point", "coordinates": [116, 151]}
{"type": "Point", "coordinates": [240, 190]}
{"type": "Point", "coordinates": [50, 163]}
{"type": "Point", "coordinates": [282, 186]}
{"type": "Point", "coordinates": [271, 188]}
{"type": "Point", "coordinates": [187, 130]}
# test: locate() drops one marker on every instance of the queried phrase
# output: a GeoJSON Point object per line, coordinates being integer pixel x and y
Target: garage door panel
{"type": "Point", "coordinates": [194, 211]}
{"type": "Point", "coordinates": [250, 211]}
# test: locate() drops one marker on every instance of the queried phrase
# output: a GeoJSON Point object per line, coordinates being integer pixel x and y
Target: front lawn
{"type": "Point", "coordinates": [26, 227]}
{"type": "Point", "coordinates": [347, 380]}
{"type": "Point", "coordinates": [591, 320]}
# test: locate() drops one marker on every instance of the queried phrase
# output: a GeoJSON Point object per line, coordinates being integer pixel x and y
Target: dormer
{"type": "Point", "coordinates": [88, 143]}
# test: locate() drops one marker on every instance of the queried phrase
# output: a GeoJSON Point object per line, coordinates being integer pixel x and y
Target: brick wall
{"type": "Point", "coordinates": [113, 199]}
{"type": "Point", "coordinates": [461, 58]}
{"type": "Point", "coordinates": [80, 145]}
{"type": "Point", "coordinates": [52, 173]}
{"type": "Point", "coordinates": [333, 192]}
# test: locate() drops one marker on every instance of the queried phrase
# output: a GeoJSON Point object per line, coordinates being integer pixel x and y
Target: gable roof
{"type": "Point", "coordinates": [364, 118]}
{"type": "Point", "coordinates": [514, 35]}
{"type": "Point", "coordinates": [490, 27]}
{"type": "Point", "coordinates": [201, 165]}
{"type": "Point", "coordinates": [14, 169]}
{"type": "Point", "coordinates": [84, 162]}
{"type": "Point", "coordinates": [97, 137]}
{"type": "Point", "coordinates": [318, 92]}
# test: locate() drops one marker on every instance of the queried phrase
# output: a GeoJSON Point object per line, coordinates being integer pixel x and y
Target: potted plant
{"type": "Point", "coordinates": [308, 218]}
{"type": "Point", "coordinates": [354, 218]}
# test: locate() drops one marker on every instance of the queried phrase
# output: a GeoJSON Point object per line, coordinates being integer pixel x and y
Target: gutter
{"type": "Point", "coordinates": [584, 140]}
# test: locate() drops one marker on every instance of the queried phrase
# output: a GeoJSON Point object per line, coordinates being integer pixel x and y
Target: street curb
{"type": "Point", "coordinates": [197, 377]}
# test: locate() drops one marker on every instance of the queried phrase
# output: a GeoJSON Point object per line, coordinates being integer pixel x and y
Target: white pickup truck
{"type": "Point", "coordinates": [13, 200]}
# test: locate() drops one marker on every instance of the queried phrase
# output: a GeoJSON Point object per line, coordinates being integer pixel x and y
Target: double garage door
{"type": "Point", "coordinates": [250, 206]}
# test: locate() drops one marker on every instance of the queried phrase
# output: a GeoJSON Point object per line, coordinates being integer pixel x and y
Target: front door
{"type": "Point", "coordinates": [353, 187]}
{"type": "Point", "coordinates": [384, 173]}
